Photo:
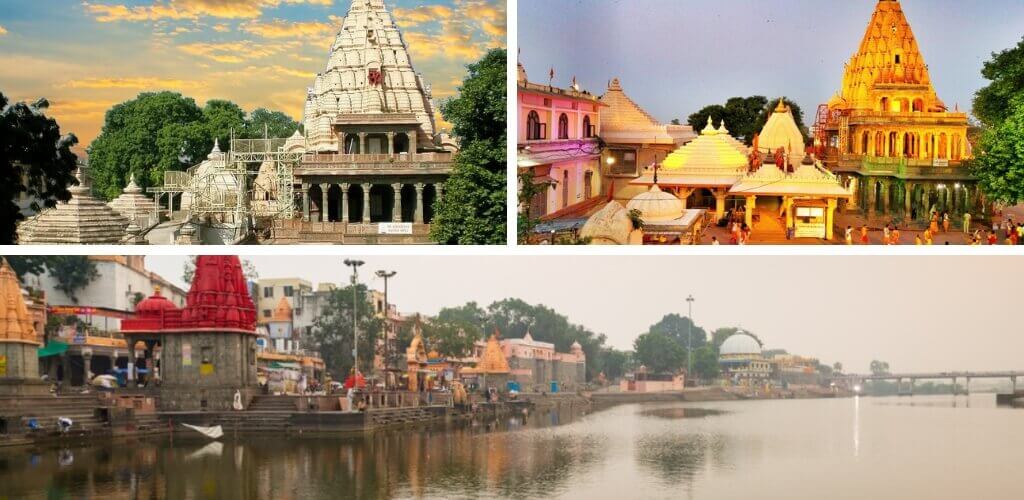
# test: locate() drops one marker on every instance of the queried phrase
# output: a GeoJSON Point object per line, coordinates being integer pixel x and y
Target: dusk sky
{"type": "Point", "coordinates": [917, 313]}
{"type": "Point", "coordinates": [85, 56]}
{"type": "Point", "coordinates": [674, 57]}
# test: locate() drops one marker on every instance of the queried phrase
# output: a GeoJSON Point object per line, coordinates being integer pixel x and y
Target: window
{"type": "Point", "coordinates": [535, 130]}
{"type": "Point", "coordinates": [621, 162]}
{"type": "Point", "coordinates": [588, 130]}
{"type": "Point", "coordinates": [298, 311]}
{"type": "Point", "coordinates": [289, 291]}
{"type": "Point", "coordinates": [563, 126]}
{"type": "Point", "coordinates": [897, 58]}
{"type": "Point", "coordinates": [268, 291]}
{"type": "Point", "coordinates": [266, 313]}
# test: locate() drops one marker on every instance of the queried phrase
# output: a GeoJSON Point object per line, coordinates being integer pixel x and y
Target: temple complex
{"type": "Point", "coordinates": [633, 140]}
{"type": "Point", "coordinates": [889, 135]}
{"type": "Point", "coordinates": [19, 343]}
{"type": "Point", "coordinates": [82, 220]}
{"type": "Point", "coordinates": [558, 144]}
{"type": "Point", "coordinates": [207, 348]}
{"type": "Point", "coordinates": [492, 367]}
{"type": "Point", "coordinates": [536, 366]}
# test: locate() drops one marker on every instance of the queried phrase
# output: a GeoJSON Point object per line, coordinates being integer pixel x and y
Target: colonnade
{"type": "Point", "coordinates": [418, 215]}
{"type": "Point", "coordinates": [888, 143]}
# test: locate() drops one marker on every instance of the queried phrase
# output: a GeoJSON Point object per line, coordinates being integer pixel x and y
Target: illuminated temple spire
{"type": "Point", "coordinates": [888, 56]}
{"type": "Point", "coordinates": [369, 72]}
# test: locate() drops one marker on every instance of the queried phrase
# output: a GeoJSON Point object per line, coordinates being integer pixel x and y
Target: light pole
{"type": "Point", "coordinates": [354, 264]}
{"type": "Point", "coordinates": [387, 324]}
{"type": "Point", "coordinates": [689, 338]}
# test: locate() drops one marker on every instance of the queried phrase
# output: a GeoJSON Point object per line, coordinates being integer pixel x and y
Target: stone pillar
{"type": "Point", "coordinates": [323, 205]}
{"type": "Point", "coordinates": [418, 218]}
{"type": "Point", "coordinates": [305, 202]}
{"type": "Point", "coordinates": [362, 143]}
{"type": "Point", "coordinates": [854, 193]}
{"type": "Point", "coordinates": [412, 142]}
{"type": "Point", "coordinates": [720, 195]}
{"type": "Point", "coordinates": [885, 196]}
{"type": "Point", "coordinates": [396, 212]}
{"type": "Point", "coordinates": [170, 205]}
{"type": "Point", "coordinates": [908, 198]}
{"type": "Point", "coordinates": [872, 197]}
{"type": "Point", "coordinates": [439, 191]}
{"type": "Point", "coordinates": [749, 212]}
{"type": "Point", "coordinates": [787, 206]}
{"type": "Point", "coordinates": [344, 202]}
{"type": "Point", "coordinates": [87, 366]}
{"type": "Point", "coordinates": [830, 221]}
{"type": "Point", "coordinates": [391, 143]}
{"type": "Point", "coordinates": [366, 203]}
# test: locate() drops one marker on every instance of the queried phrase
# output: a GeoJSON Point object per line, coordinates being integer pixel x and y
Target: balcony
{"type": "Point", "coordinates": [904, 168]}
{"type": "Point", "coordinates": [353, 164]}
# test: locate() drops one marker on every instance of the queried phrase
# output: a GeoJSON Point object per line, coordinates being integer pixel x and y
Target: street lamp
{"type": "Point", "coordinates": [689, 338]}
{"type": "Point", "coordinates": [387, 324]}
{"type": "Point", "coordinates": [354, 264]}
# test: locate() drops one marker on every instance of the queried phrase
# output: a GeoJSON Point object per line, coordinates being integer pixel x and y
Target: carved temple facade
{"type": "Point", "coordinates": [889, 136]}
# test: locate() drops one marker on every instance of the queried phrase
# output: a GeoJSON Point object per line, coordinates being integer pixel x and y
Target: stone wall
{"type": "Point", "coordinates": [219, 364]}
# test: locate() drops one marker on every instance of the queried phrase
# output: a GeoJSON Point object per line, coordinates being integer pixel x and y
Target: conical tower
{"type": "Point", "coordinates": [19, 357]}
{"type": "Point", "coordinates": [368, 73]}
{"type": "Point", "coordinates": [82, 220]}
{"type": "Point", "coordinates": [888, 67]}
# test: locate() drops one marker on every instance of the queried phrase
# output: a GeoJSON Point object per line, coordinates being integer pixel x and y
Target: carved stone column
{"type": "Point", "coordinates": [323, 205]}
{"type": "Point", "coordinates": [418, 218]}
{"type": "Point", "coordinates": [396, 211]}
{"type": "Point", "coordinates": [908, 198]}
{"type": "Point", "coordinates": [344, 202]}
{"type": "Point", "coordinates": [87, 366]}
{"type": "Point", "coordinates": [362, 143]}
{"type": "Point", "coordinates": [366, 203]}
{"type": "Point", "coordinates": [885, 196]}
{"type": "Point", "coordinates": [831, 222]}
{"type": "Point", "coordinates": [391, 143]}
{"type": "Point", "coordinates": [305, 202]}
{"type": "Point", "coordinates": [749, 212]}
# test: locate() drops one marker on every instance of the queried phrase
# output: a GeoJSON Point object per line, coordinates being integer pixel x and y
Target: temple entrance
{"type": "Point", "coordinates": [429, 197]}
{"type": "Point", "coordinates": [316, 202]}
{"type": "Point", "coordinates": [381, 203]}
{"type": "Point", "coordinates": [588, 184]}
{"type": "Point", "coordinates": [355, 203]}
{"type": "Point", "coordinates": [334, 203]}
{"type": "Point", "coordinates": [769, 220]}
{"type": "Point", "coordinates": [408, 202]}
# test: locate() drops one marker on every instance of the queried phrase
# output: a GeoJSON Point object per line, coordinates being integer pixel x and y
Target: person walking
{"type": "Point", "coordinates": [917, 239]}
{"type": "Point", "coordinates": [886, 234]}
{"type": "Point", "coordinates": [894, 237]}
{"type": "Point", "coordinates": [849, 235]}
{"type": "Point", "coordinates": [992, 238]}
{"type": "Point", "coordinates": [864, 234]}
{"type": "Point", "coordinates": [967, 223]}
{"type": "Point", "coordinates": [945, 222]}
{"type": "Point", "coordinates": [933, 226]}
{"type": "Point", "coordinates": [1020, 233]}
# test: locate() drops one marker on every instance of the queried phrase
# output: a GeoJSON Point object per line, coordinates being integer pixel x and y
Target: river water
{"type": "Point", "coordinates": [934, 447]}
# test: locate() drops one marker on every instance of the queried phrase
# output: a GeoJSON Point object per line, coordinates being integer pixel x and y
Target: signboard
{"type": "Point", "coordinates": [3, 365]}
{"type": "Point", "coordinates": [280, 329]}
{"type": "Point", "coordinates": [940, 163]}
{"type": "Point", "coordinates": [79, 338]}
{"type": "Point", "coordinates": [394, 228]}
{"type": "Point", "coordinates": [810, 230]}
{"type": "Point", "coordinates": [72, 310]}
{"type": "Point", "coordinates": [186, 354]}
{"type": "Point", "coordinates": [206, 369]}
{"type": "Point", "coordinates": [810, 212]}
{"type": "Point", "coordinates": [261, 342]}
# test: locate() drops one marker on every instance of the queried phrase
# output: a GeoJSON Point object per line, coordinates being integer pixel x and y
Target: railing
{"type": "Point", "coordinates": [869, 113]}
{"type": "Point", "coordinates": [376, 158]}
{"type": "Point", "coordinates": [406, 399]}
{"type": "Point", "coordinates": [175, 179]}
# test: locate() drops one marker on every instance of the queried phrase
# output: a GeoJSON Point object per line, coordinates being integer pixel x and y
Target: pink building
{"type": "Point", "coordinates": [536, 364]}
{"type": "Point", "coordinates": [557, 142]}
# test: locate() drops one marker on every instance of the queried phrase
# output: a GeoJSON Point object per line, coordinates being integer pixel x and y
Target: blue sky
{"type": "Point", "coordinates": [85, 56]}
{"type": "Point", "coordinates": [676, 56]}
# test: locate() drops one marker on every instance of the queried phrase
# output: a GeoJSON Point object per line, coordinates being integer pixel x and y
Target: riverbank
{"type": "Point", "coordinates": [705, 394]}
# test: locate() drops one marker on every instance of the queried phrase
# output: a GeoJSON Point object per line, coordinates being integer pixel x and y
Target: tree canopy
{"type": "Point", "coordinates": [473, 208]}
{"type": "Point", "coordinates": [35, 161]}
{"type": "Point", "coordinates": [332, 331]}
{"type": "Point", "coordinates": [161, 131]}
{"type": "Point", "coordinates": [659, 353]}
{"type": "Point", "coordinates": [71, 272]}
{"type": "Point", "coordinates": [999, 165]}
{"type": "Point", "coordinates": [1005, 71]}
{"type": "Point", "coordinates": [744, 116]}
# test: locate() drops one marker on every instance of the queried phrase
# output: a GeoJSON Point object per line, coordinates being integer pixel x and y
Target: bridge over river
{"type": "Point", "coordinates": [852, 379]}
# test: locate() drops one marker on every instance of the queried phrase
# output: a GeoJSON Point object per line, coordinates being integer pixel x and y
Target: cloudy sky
{"type": "Point", "coordinates": [917, 313]}
{"type": "Point", "coordinates": [85, 56]}
{"type": "Point", "coordinates": [674, 57]}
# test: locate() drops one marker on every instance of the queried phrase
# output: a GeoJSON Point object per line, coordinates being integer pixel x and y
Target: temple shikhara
{"type": "Point", "coordinates": [885, 149]}
{"type": "Point", "coordinates": [367, 169]}
{"type": "Point", "coordinates": [889, 135]}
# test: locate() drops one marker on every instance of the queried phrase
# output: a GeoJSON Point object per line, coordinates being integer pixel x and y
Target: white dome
{"type": "Point", "coordinates": [739, 344]}
{"type": "Point", "coordinates": [656, 205]}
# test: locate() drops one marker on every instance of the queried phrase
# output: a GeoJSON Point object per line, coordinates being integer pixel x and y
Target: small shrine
{"type": "Point", "coordinates": [416, 361]}
{"type": "Point", "coordinates": [493, 369]}
{"type": "Point", "coordinates": [134, 205]}
{"type": "Point", "coordinates": [82, 220]}
{"type": "Point", "coordinates": [208, 348]}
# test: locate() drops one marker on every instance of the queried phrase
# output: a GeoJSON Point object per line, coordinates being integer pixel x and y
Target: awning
{"type": "Point", "coordinates": [53, 348]}
{"type": "Point", "coordinates": [289, 366]}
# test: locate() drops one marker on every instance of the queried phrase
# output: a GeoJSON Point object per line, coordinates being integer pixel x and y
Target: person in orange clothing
{"type": "Point", "coordinates": [864, 234]}
{"type": "Point", "coordinates": [894, 237]}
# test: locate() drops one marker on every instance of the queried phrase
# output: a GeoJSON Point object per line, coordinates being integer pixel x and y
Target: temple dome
{"type": "Point", "coordinates": [740, 344]}
{"type": "Point", "coordinates": [610, 225]}
{"type": "Point", "coordinates": [656, 205]}
{"type": "Point", "coordinates": [154, 305]}
{"type": "Point", "coordinates": [781, 131]}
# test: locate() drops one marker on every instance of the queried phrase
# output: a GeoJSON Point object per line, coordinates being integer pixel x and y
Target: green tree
{"type": "Point", "coordinates": [451, 338]}
{"type": "Point", "coordinates": [528, 190]}
{"type": "Point", "coordinates": [720, 334]}
{"type": "Point", "coordinates": [29, 264]}
{"type": "Point", "coordinates": [999, 166]}
{"type": "Point", "coordinates": [675, 121]}
{"type": "Point", "coordinates": [837, 367]}
{"type": "Point", "coordinates": [273, 123]}
{"type": "Point", "coordinates": [248, 270]}
{"type": "Point", "coordinates": [470, 313]}
{"type": "Point", "coordinates": [678, 328]}
{"type": "Point", "coordinates": [659, 353]}
{"type": "Point", "coordinates": [740, 114]}
{"type": "Point", "coordinates": [705, 363]}
{"type": "Point", "coordinates": [35, 161]}
{"type": "Point", "coordinates": [473, 208]}
{"type": "Point", "coordinates": [612, 362]}
{"type": "Point", "coordinates": [699, 120]}
{"type": "Point", "coordinates": [333, 336]}
{"type": "Point", "coordinates": [879, 367]}
{"type": "Point", "coordinates": [1005, 71]}
{"type": "Point", "coordinates": [72, 272]}
{"type": "Point", "coordinates": [221, 118]}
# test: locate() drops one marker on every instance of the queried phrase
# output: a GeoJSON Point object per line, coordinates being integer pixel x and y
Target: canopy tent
{"type": "Point", "coordinates": [53, 348]}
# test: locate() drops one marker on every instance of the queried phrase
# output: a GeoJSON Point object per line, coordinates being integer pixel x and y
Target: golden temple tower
{"type": "Point", "coordinates": [19, 356]}
{"type": "Point", "coordinates": [889, 135]}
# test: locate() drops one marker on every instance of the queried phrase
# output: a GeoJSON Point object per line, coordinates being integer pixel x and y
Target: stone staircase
{"type": "Point", "coordinates": [393, 416]}
{"type": "Point", "coordinates": [82, 410]}
{"type": "Point", "coordinates": [272, 403]}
